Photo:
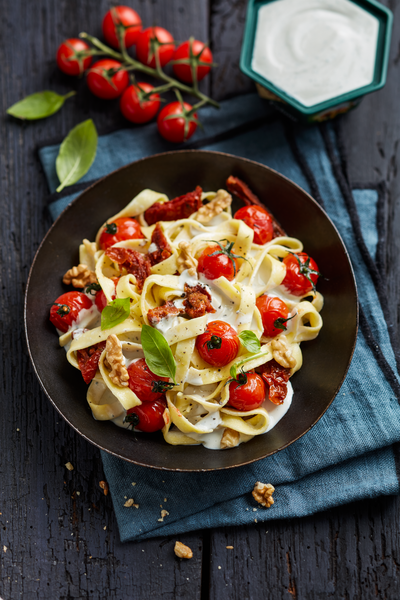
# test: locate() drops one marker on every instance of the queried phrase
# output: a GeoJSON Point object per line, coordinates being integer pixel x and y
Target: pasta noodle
{"type": "Point", "coordinates": [197, 406]}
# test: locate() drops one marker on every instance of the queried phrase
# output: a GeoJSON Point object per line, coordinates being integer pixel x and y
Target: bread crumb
{"type": "Point", "coordinates": [105, 527]}
{"type": "Point", "coordinates": [133, 482]}
{"type": "Point", "coordinates": [69, 466]}
{"type": "Point", "coordinates": [229, 547]}
{"type": "Point", "coordinates": [219, 567]}
{"type": "Point", "coordinates": [129, 503]}
{"type": "Point", "coordinates": [5, 548]}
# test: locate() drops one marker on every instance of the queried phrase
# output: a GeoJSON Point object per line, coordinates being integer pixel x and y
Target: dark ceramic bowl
{"type": "Point", "coordinates": [326, 359]}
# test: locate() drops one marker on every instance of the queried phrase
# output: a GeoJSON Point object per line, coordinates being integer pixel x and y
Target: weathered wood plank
{"type": "Point", "coordinates": [58, 534]}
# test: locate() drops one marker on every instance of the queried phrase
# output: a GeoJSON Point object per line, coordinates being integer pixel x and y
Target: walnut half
{"type": "Point", "coordinates": [263, 494]}
{"type": "Point", "coordinates": [79, 276]}
{"type": "Point", "coordinates": [230, 438]}
{"type": "Point", "coordinates": [115, 359]}
{"type": "Point", "coordinates": [182, 551]}
{"type": "Point", "coordinates": [186, 260]}
{"type": "Point", "coordinates": [207, 212]}
{"type": "Point", "coordinates": [282, 352]}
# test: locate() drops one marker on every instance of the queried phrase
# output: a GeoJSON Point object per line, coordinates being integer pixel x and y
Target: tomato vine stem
{"type": "Point", "coordinates": [131, 64]}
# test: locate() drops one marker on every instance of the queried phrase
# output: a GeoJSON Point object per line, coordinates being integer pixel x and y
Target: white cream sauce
{"type": "Point", "coordinates": [315, 50]}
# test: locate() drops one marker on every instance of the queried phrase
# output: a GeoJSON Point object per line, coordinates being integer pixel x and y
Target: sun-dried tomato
{"type": "Point", "coordinates": [163, 248]}
{"type": "Point", "coordinates": [198, 301]}
{"type": "Point", "coordinates": [134, 262]}
{"type": "Point", "coordinates": [88, 360]}
{"type": "Point", "coordinates": [161, 312]}
{"type": "Point", "coordinates": [241, 190]}
{"type": "Point", "coordinates": [276, 377]}
{"type": "Point", "coordinates": [178, 208]}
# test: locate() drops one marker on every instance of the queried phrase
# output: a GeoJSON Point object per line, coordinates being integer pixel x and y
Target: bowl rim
{"type": "Point", "coordinates": [99, 182]}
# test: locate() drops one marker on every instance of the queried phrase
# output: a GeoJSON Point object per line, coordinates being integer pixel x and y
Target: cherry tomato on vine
{"type": "Point", "coordinates": [152, 41]}
{"type": "Point", "coordinates": [301, 273]}
{"type": "Point", "coordinates": [176, 123]}
{"type": "Point", "coordinates": [274, 315]}
{"type": "Point", "coordinates": [106, 79]}
{"type": "Point", "coordinates": [258, 219]}
{"type": "Point", "coordinates": [149, 416]}
{"type": "Point", "coordinates": [217, 261]}
{"type": "Point", "coordinates": [128, 18]}
{"type": "Point", "coordinates": [247, 392]}
{"type": "Point", "coordinates": [196, 52]}
{"type": "Point", "coordinates": [100, 299]}
{"type": "Point", "coordinates": [69, 59]}
{"type": "Point", "coordinates": [124, 228]}
{"type": "Point", "coordinates": [135, 108]}
{"type": "Point", "coordinates": [66, 309]}
{"type": "Point", "coordinates": [147, 386]}
{"type": "Point", "coordinates": [219, 344]}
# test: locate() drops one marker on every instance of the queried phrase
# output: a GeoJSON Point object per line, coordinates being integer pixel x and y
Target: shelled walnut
{"type": "Point", "coordinates": [79, 276]}
{"type": "Point", "coordinates": [263, 493]}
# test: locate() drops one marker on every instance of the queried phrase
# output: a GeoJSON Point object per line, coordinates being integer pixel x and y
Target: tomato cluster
{"type": "Point", "coordinates": [155, 47]}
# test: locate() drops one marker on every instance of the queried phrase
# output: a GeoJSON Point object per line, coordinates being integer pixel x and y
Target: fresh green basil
{"type": "Point", "coordinates": [77, 153]}
{"type": "Point", "coordinates": [39, 105]}
{"type": "Point", "coordinates": [250, 341]}
{"type": "Point", "coordinates": [157, 353]}
{"type": "Point", "coordinates": [115, 313]}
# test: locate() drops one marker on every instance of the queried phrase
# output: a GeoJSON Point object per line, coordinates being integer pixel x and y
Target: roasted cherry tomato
{"type": "Point", "coordinates": [149, 416]}
{"type": "Point", "coordinates": [66, 309]}
{"type": "Point", "coordinates": [301, 274]}
{"type": "Point", "coordinates": [128, 18]}
{"type": "Point", "coordinates": [88, 360]}
{"type": "Point", "coordinates": [106, 79]}
{"type": "Point", "coordinates": [258, 219]}
{"type": "Point", "coordinates": [69, 58]}
{"type": "Point", "coordinates": [274, 314]}
{"type": "Point", "coordinates": [219, 344]}
{"type": "Point", "coordinates": [154, 40]}
{"type": "Point", "coordinates": [247, 392]}
{"type": "Point", "coordinates": [275, 377]}
{"type": "Point", "coordinates": [147, 386]}
{"type": "Point", "coordinates": [137, 109]}
{"type": "Point", "coordinates": [196, 52]}
{"type": "Point", "coordinates": [175, 124]}
{"type": "Point", "coordinates": [124, 228]}
{"type": "Point", "coordinates": [217, 261]}
{"type": "Point", "coordinates": [100, 299]}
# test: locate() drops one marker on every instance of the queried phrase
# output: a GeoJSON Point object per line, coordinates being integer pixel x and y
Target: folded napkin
{"type": "Point", "coordinates": [351, 452]}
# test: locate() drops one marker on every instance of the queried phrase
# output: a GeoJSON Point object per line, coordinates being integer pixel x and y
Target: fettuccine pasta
{"type": "Point", "coordinates": [158, 275]}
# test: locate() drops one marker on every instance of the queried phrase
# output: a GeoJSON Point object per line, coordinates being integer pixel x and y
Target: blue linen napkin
{"type": "Point", "coordinates": [351, 453]}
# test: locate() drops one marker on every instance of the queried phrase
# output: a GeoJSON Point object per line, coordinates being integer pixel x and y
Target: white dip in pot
{"type": "Point", "coordinates": [315, 50]}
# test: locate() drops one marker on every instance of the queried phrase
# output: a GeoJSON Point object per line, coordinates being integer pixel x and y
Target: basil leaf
{"type": "Point", "coordinates": [233, 371]}
{"type": "Point", "coordinates": [157, 353]}
{"type": "Point", "coordinates": [250, 341]}
{"type": "Point", "coordinates": [77, 153]}
{"type": "Point", "coordinates": [115, 313]}
{"type": "Point", "coordinates": [39, 105]}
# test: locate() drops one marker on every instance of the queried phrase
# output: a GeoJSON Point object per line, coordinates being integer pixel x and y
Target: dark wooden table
{"type": "Point", "coordinates": [59, 537]}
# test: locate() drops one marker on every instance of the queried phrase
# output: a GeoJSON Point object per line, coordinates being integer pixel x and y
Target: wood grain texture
{"type": "Point", "coordinates": [53, 544]}
{"type": "Point", "coordinates": [59, 537]}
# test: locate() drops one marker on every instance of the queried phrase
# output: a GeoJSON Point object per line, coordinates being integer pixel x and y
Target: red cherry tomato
{"type": "Point", "coordinates": [129, 18]}
{"type": "Point", "coordinates": [258, 219]}
{"type": "Point", "coordinates": [176, 129]}
{"type": "Point", "coordinates": [247, 392]}
{"type": "Point", "coordinates": [274, 314]}
{"type": "Point", "coordinates": [124, 228]}
{"type": "Point", "coordinates": [136, 109]}
{"type": "Point", "coordinates": [201, 54]}
{"type": "Point", "coordinates": [150, 415]}
{"type": "Point", "coordinates": [146, 46]}
{"type": "Point", "coordinates": [301, 273]}
{"type": "Point", "coordinates": [106, 79]}
{"type": "Point", "coordinates": [147, 386]}
{"type": "Point", "coordinates": [100, 299]}
{"type": "Point", "coordinates": [68, 59]}
{"type": "Point", "coordinates": [216, 265]}
{"type": "Point", "coordinates": [66, 309]}
{"type": "Point", "coordinates": [219, 344]}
